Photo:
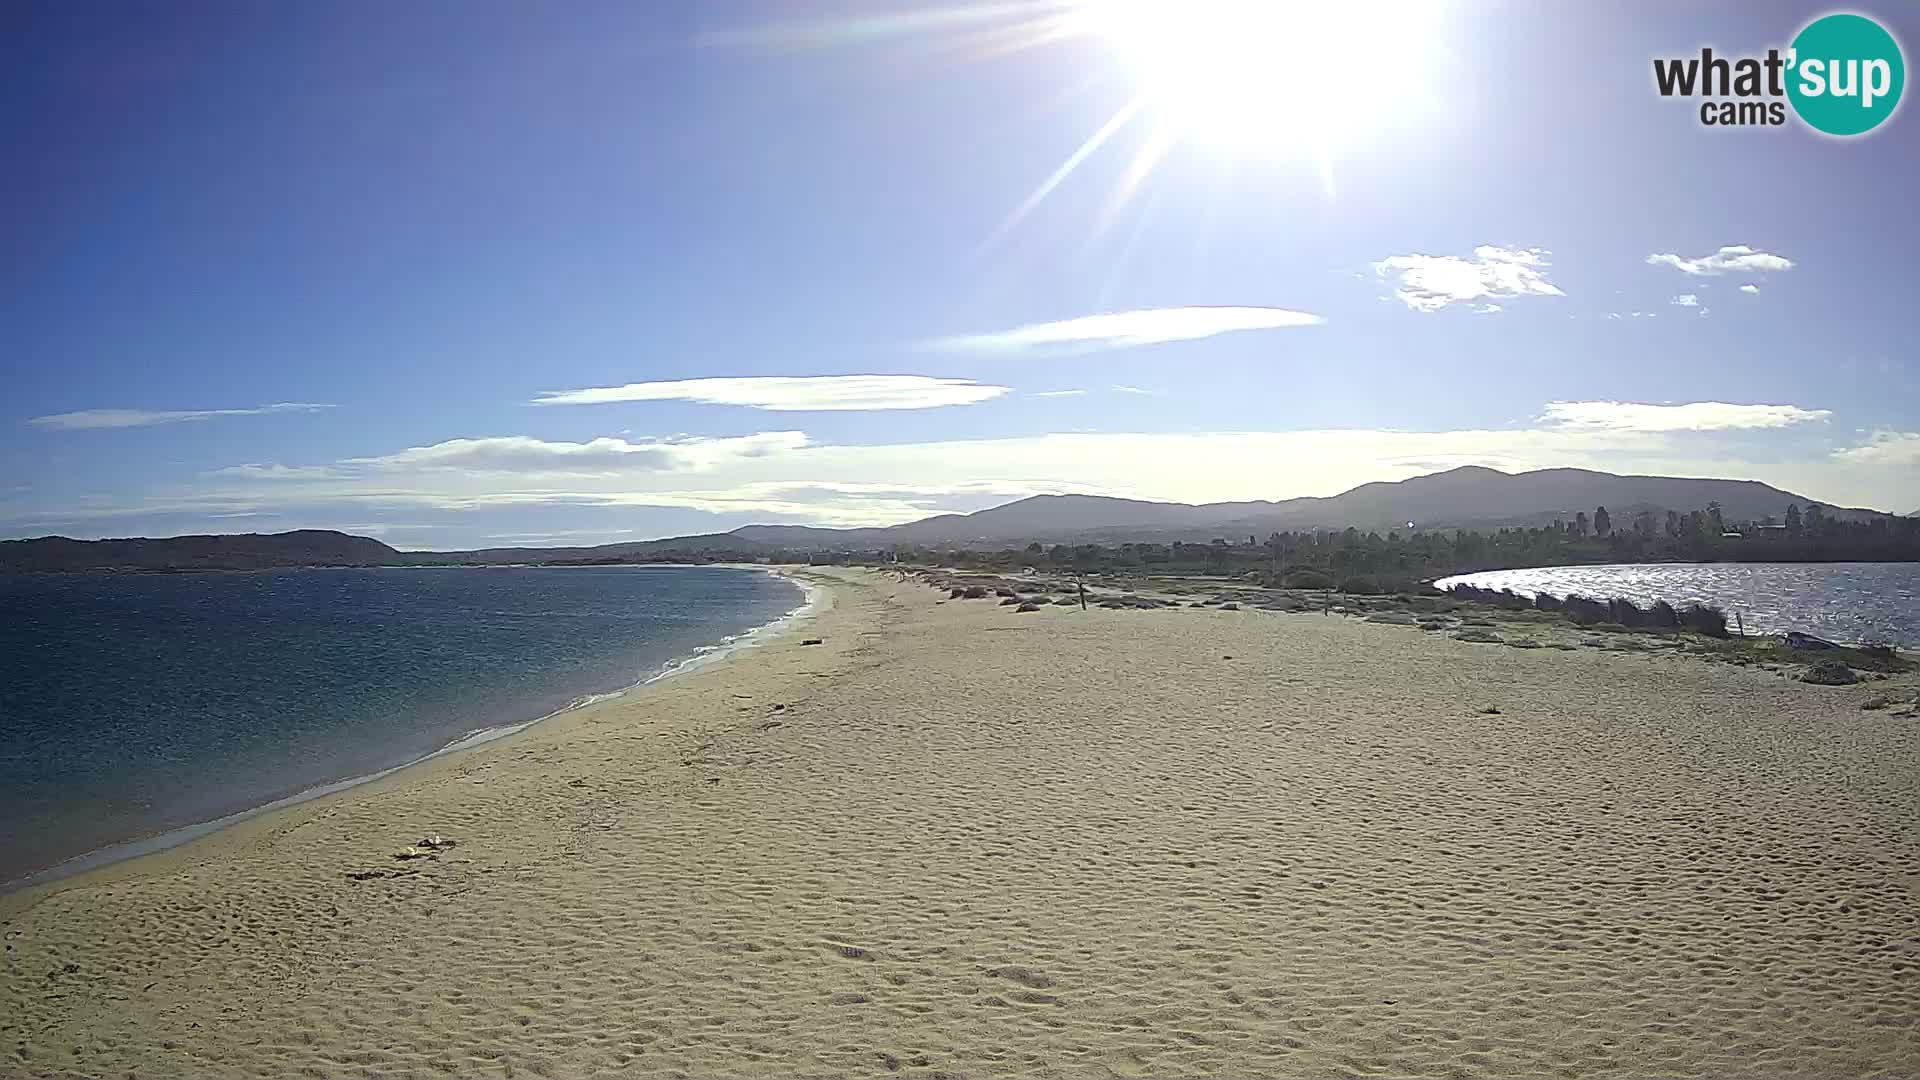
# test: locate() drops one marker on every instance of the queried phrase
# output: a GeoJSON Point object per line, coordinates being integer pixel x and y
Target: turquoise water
{"type": "Point", "coordinates": [131, 705]}
{"type": "Point", "coordinates": [1848, 602]}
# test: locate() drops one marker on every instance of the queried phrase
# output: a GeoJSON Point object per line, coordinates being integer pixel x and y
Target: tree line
{"type": "Point", "coordinates": [1370, 561]}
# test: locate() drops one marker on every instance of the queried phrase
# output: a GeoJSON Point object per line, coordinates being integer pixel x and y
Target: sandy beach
{"type": "Point", "coordinates": [955, 840]}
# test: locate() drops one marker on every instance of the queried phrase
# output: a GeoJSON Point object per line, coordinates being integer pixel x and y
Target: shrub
{"type": "Point", "coordinates": [1505, 598]}
{"type": "Point", "coordinates": [1710, 621]}
{"type": "Point", "coordinates": [1830, 673]}
{"type": "Point", "coordinates": [1586, 612]}
{"type": "Point", "coordinates": [1359, 585]}
{"type": "Point", "coordinates": [1662, 614]}
{"type": "Point", "coordinates": [974, 592]}
{"type": "Point", "coordinates": [1306, 579]}
{"type": "Point", "coordinates": [1625, 612]}
{"type": "Point", "coordinates": [1547, 602]}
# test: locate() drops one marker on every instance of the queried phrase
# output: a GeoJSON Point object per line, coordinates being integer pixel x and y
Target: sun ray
{"type": "Point", "coordinates": [1271, 83]}
{"type": "Point", "coordinates": [1094, 142]}
{"type": "Point", "coordinates": [1117, 266]}
{"type": "Point", "coordinates": [1155, 147]}
{"type": "Point", "coordinates": [930, 22]}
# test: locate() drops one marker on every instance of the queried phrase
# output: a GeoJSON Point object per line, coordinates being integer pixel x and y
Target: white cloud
{"type": "Point", "coordinates": [1733, 258]}
{"type": "Point", "coordinates": [1122, 389]}
{"type": "Point", "coordinates": [1694, 416]}
{"type": "Point", "coordinates": [1885, 448]}
{"type": "Point", "coordinates": [1687, 300]}
{"type": "Point", "coordinates": [93, 419]}
{"type": "Point", "coordinates": [1431, 282]}
{"type": "Point", "coordinates": [1750, 289]}
{"type": "Point", "coordinates": [788, 393]}
{"type": "Point", "coordinates": [1126, 329]}
{"type": "Point", "coordinates": [1059, 393]}
{"type": "Point", "coordinates": [596, 457]}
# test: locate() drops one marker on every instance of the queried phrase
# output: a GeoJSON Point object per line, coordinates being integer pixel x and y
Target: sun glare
{"type": "Point", "coordinates": [1291, 82]}
{"type": "Point", "coordinates": [1268, 75]}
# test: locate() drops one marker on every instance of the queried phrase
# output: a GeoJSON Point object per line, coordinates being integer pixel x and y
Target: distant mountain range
{"type": "Point", "coordinates": [1467, 497]}
{"type": "Point", "coordinates": [247, 551]}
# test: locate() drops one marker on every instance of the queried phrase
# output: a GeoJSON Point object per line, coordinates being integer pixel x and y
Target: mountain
{"type": "Point", "coordinates": [1038, 516]}
{"type": "Point", "coordinates": [1466, 497]}
{"type": "Point", "coordinates": [249, 551]}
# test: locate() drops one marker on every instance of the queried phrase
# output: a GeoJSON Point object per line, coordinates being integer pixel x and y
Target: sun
{"type": "Point", "coordinates": [1269, 75]}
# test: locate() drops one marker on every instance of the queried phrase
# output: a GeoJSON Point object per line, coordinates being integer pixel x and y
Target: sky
{"type": "Point", "coordinates": [485, 274]}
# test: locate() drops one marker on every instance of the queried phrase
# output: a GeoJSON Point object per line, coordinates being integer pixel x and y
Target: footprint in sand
{"type": "Point", "coordinates": [846, 951]}
{"type": "Point", "coordinates": [1025, 976]}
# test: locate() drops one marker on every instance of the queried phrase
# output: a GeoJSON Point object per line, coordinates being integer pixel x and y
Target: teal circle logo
{"type": "Point", "coordinates": [1846, 74]}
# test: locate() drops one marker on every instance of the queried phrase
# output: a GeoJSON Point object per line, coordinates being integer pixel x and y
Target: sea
{"type": "Point", "coordinates": [1845, 602]}
{"type": "Point", "coordinates": [141, 710]}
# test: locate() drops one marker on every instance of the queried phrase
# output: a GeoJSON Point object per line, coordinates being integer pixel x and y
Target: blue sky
{"type": "Point", "coordinates": [280, 266]}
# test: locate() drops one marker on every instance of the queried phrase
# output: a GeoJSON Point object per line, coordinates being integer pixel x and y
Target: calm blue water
{"type": "Point", "coordinates": [1847, 602]}
{"type": "Point", "coordinates": [135, 704]}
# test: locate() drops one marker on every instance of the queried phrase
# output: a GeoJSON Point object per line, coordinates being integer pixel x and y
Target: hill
{"type": "Point", "coordinates": [248, 551]}
{"type": "Point", "coordinates": [1466, 497]}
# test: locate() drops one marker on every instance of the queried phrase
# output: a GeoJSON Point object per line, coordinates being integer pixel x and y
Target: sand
{"type": "Point", "coordinates": [957, 840]}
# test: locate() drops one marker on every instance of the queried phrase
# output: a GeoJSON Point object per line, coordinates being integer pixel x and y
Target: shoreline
{"type": "Point", "coordinates": [814, 598]}
{"type": "Point", "coordinates": [954, 838]}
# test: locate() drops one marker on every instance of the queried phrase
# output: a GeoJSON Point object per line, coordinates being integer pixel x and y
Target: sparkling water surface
{"type": "Point", "coordinates": [1847, 602]}
{"type": "Point", "coordinates": [133, 704]}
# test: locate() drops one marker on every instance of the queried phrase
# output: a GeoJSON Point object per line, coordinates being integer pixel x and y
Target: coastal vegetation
{"type": "Point", "coordinates": [1464, 613]}
{"type": "Point", "coordinates": [1371, 562]}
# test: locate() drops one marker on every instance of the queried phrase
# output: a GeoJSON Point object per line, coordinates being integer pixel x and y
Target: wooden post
{"type": "Point", "coordinates": [1083, 590]}
{"type": "Point", "coordinates": [1741, 623]}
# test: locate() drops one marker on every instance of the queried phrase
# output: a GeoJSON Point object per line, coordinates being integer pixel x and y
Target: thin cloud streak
{"type": "Point", "coordinates": [100, 419]}
{"type": "Point", "coordinates": [793, 393]}
{"type": "Point", "coordinates": [1128, 329]}
{"type": "Point", "coordinates": [1693, 416]}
